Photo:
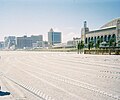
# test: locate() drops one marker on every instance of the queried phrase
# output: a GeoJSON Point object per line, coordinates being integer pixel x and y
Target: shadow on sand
{"type": "Point", "coordinates": [4, 93]}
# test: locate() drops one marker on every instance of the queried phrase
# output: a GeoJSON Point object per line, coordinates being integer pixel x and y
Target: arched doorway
{"type": "Point", "coordinates": [109, 37]}
{"type": "Point", "coordinates": [91, 38]}
{"type": "Point", "coordinates": [105, 38]}
{"type": "Point", "coordinates": [114, 37]}
{"type": "Point", "coordinates": [88, 39]}
{"type": "Point", "coordinates": [101, 38]}
{"type": "Point", "coordinates": [95, 39]}
{"type": "Point", "coordinates": [85, 40]}
{"type": "Point", "coordinates": [98, 38]}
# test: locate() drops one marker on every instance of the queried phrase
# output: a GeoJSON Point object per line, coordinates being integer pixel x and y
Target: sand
{"type": "Point", "coordinates": [59, 76]}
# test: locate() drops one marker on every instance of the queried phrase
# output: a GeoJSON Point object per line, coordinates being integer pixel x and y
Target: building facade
{"type": "Point", "coordinates": [110, 30]}
{"type": "Point", "coordinates": [24, 42]}
{"type": "Point", "coordinates": [9, 41]}
{"type": "Point", "coordinates": [73, 43]}
{"type": "Point", "coordinates": [28, 42]}
{"type": "Point", "coordinates": [36, 38]}
{"type": "Point", "coordinates": [54, 37]}
{"type": "Point", "coordinates": [1, 45]}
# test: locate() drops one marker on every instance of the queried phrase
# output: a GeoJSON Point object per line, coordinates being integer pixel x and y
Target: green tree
{"type": "Point", "coordinates": [97, 45]}
{"type": "Point", "coordinates": [90, 45]}
{"type": "Point", "coordinates": [112, 44]}
{"type": "Point", "coordinates": [81, 46]}
{"type": "Point", "coordinates": [78, 47]}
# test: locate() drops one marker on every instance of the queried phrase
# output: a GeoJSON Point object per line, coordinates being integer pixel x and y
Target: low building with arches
{"type": "Point", "coordinates": [110, 30]}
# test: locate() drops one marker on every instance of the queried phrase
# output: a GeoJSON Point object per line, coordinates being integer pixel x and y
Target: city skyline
{"type": "Point", "coordinates": [36, 17]}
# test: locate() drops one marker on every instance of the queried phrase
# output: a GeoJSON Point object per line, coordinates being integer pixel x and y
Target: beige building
{"type": "Point", "coordinates": [110, 30]}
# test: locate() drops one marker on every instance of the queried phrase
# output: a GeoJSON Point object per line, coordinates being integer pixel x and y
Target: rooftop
{"type": "Point", "coordinates": [103, 29]}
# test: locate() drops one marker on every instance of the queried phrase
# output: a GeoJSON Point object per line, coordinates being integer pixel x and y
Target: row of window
{"type": "Point", "coordinates": [101, 38]}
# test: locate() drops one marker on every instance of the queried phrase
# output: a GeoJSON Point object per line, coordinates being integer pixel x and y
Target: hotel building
{"type": "Point", "coordinates": [54, 37]}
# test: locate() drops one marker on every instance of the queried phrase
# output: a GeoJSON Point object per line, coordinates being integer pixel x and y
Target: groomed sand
{"type": "Point", "coordinates": [59, 76]}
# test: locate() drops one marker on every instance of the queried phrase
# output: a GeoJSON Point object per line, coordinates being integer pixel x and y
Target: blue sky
{"type": "Point", "coordinates": [27, 17]}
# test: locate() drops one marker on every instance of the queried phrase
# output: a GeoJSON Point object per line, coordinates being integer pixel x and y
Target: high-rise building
{"type": "Point", "coordinates": [24, 42]}
{"type": "Point", "coordinates": [54, 37]}
{"type": "Point", "coordinates": [28, 42]}
{"type": "Point", "coordinates": [36, 38]}
{"type": "Point", "coordinates": [10, 41]}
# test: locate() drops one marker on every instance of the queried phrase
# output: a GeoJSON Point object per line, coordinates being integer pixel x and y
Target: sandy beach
{"type": "Point", "coordinates": [58, 76]}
